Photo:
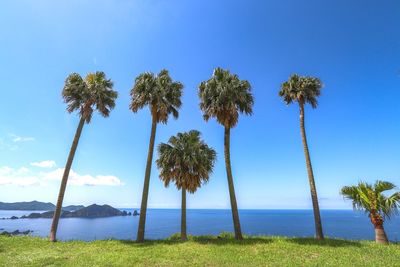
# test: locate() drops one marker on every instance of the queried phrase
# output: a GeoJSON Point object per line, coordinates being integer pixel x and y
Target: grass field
{"type": "Point", "coordinates": [198, 251]}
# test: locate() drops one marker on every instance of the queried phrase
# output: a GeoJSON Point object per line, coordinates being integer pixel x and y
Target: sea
{"type": "Point", "coordinates": [162, 223]}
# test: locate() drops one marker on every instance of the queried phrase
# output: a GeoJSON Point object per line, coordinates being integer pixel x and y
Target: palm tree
{"type": "Point", "coordinates": [369, 198]}
{"type": "Point", "coordinates": [163, 96]}
{"type": "Point", "coordinates": [82, 95]}
{"type": "Point", "coordinates": [224, 96]}
{"type": "Point", "coordinates": [188, 162]}
{"type": "Point", "coordinates": [303, 90]}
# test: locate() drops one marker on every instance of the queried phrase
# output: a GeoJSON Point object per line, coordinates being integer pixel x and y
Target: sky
{"type": "Point", "coordinates": [353, 135]}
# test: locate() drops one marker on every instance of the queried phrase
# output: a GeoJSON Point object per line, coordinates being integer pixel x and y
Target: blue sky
{"type": "Point", "coordinates": [352, 46]}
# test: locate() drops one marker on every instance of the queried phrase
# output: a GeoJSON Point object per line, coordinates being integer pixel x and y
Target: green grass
{"type": "Point", "coordinates": [198, 251]}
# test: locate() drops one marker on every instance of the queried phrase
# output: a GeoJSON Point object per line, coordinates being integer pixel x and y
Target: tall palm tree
{"type": "Point", "coordinates": [187, 161]}
{"type": "Point", "coordinates": [371, 199]}
{"type": "Point", "coordinates": [223, 97]}
{"type": "Point", "coordinates": [303, 90]}
{"type": "Point", "coordinates": [163, 96]}
{"type": "Point", "coordinates": [84, 96]}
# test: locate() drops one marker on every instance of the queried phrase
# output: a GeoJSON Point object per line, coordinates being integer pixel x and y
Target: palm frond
{"type": "Point", "coordinates": [185, 160]}
{"type": "Point", "coordinates": [159, 92]}
{"type": "Point", "coordinates": [224, 96]}
{"type": "Point", "coordinates": [369, 198]}
{"type": "Point", "coordinates": [86, 95]}
{"type": "Point", "coordinates": [302, 89]}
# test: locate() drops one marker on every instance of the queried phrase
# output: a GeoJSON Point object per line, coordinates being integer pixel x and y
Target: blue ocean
{"type": "Point", "coordinates": [162, 223]}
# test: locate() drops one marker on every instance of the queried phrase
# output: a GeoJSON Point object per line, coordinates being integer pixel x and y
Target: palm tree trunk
{"type": "Point", "coordinates": [380, 234]}
{"type": "Point", "coordinates": [64, 180]}
{"type": "Point", "coordinates": [235, 212]}
{"type": "Point", "coordinates": [313, 189]}
{"type": "Point", "coordinates": [145, 195]}
{"type": "Point", "coordinates": [183, 216]}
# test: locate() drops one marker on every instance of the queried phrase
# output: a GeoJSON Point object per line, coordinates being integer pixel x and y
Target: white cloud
{"type": "Point", "coordinates": [26, 181]}
{"type": "Point", "coordinates": [80, 180]}
{"type": "Point", "coordinates": [17, 139]}
{"type": "Point", "coordinates": [44, 164]}
{"type": "Point", "coordinates": [19, 177]}
{"type": "Point", "coordinates": [26, 177]}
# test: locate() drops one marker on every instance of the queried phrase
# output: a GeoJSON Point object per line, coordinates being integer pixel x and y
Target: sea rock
{"type": "Point", "coordinates": [32, 216]}
{"type": "Point", "coordinates": [16, 232]}
{"type": "Point", "coordinates": [135, 213]}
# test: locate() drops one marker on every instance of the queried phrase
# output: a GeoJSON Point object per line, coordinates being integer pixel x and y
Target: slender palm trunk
{"type": "Point", "coordinates": [183, 216]}
{"type": "Point", "coordinates": [313, 189]}
{"type": "Point", "coordinates": [145, 195]}
{"type": "Point", "coordinates": [380, 234]}
{"type": "Point", "coordinates": [235, 212]}
{"type": "Point", "coordinates": [63, 186]}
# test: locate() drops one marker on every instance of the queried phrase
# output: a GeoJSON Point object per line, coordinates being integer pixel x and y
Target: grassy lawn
{"type": "Point", "coordinates": [198, 251]}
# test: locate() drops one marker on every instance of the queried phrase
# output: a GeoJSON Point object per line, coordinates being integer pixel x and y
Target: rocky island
{"type": "Point", "coordinates": [92, 211]}
{"type": "Point", "coordinates": [72, 211]}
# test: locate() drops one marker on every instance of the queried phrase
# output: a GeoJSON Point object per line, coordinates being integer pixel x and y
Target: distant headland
{"type": "Point", "coordinates": [36, 205]}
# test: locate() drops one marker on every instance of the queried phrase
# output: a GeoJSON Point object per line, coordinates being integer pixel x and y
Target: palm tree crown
{"type": "Point", "coordinates": [185, 160]}
{"type": "Point", "coordinates": [371, 199]}
{"type": "Point", "coordinates": [223, 96]}
{"type": "Point", "coordinates": [95, 91]}
{"type": "Point", "coordinates": [301, 89]}
{"type": "Point", "coordinates": [159, 92]}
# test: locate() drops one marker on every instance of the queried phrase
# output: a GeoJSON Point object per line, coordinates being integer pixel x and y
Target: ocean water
{"type": "Point", "coordinates": [162, 223]}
